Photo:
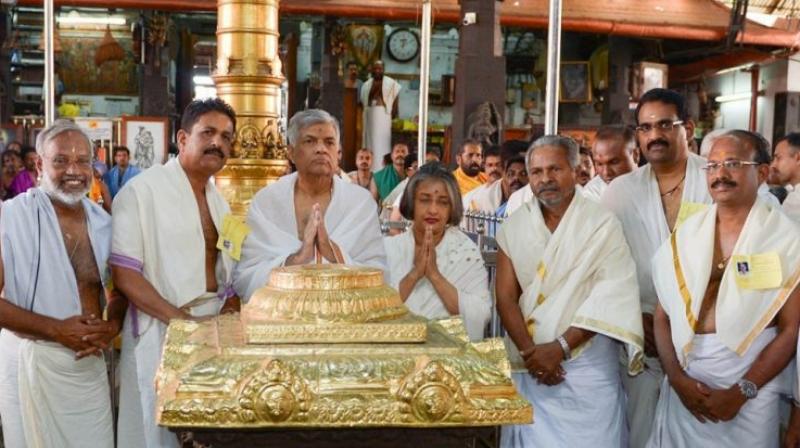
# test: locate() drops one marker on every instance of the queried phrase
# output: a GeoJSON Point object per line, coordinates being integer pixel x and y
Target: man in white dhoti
{"type": "Point", "coordinates": [438, 270]}
{"type": "Point", "coordinates": [614, 153]}
{"type": "Point", "coordinates": [379, 99]}
{"type": "Point", "coordinates": [650, 202]}
{"type": "Point", "coordinates": [566, 291]}
{"type": "Point", "coordinates": [492, 197]}
{"type": "Point", "coordinates": [786, 170]}
{"type": "Point", "coordinates": [727, 320]}
{"type": "Point", "coordinates": [54, 390]}
{"type": "Point", "coordinates": [172, 254]}
{"type": "Point", "coordinates": [311, 215]}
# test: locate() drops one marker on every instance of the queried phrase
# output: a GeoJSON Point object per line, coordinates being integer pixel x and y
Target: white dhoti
{"type": "Point", "coordinates": [64, 402]}
{"type": "Point", "coordinates": [139, 362]}
{"type": "Point", "coordinates": [642, 397]}
{"type": "Point", "coordinates": [715, 365]}
{"type": "Point", "coordinates": [13, 433]}
{"type": "Point", "coordinates": [591, 392]}
{"type": "Point", "coordinates": [377, 133]}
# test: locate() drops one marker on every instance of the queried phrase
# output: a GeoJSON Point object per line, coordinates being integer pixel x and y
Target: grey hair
{"type": "Point", "coordinates": [433, 171]}
{"type": "Point", "coordinates": [310, 117]}
{"type": "Point", "coordinates": [569, 146]}
{"type": "Point", "coordinates": [54, 130]}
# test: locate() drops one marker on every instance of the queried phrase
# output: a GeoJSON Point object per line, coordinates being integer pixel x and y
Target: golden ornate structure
{"type": "Point", "coordinates": [213, 374]}
{"type": "Point", "coordinates": [248, 77]}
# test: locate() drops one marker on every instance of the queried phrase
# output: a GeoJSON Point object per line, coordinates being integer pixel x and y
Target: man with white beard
{"type": "Point", "coordinates": [55, 244]}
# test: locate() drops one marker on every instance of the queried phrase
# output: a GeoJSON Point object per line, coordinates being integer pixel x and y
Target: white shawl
{"type": "Point", "coordinates": [36, 260]}
{"type": "Point", "coordinates": [486, 198]}
{"type": "Point", "coordinates": [350, 219]}
{"type": "Point", "coordinates": [595, 188]}
{"type": "Point", "coordinates": [582, 275]}
{"type": "Point", "coordinates": [390, 89]}
{"type": "Point", "coordinates": [636, 200]}
{"type": "Point", "coordinates": [460, 262]}
{"type": "Point", "coordinates": [682, 267]}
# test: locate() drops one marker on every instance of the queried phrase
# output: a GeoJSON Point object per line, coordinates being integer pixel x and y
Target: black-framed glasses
{"type": "Point", "coordinates": [661, 125]}
{"type": "Point", "coordinates": [728, 164]}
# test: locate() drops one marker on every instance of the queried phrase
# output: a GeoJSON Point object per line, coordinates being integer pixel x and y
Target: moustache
{"type": "Point", "coordinates": [516, 185]}
{"type": "Point", "coordinates": [547, 187]}
{"type": "Point", "coordinates": [659, 141]}
{"type": "Point", "coordinates": [214, 151]}
{"type": "Point", "coordinates": [726, 182]}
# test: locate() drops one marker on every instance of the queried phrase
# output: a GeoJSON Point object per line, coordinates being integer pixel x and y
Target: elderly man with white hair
{"type": "Point", "coordinates": [54, 389]}
{"type": "Point", "coordinates": [566, 291]}
{"type": "Point", "coordinates": [311, 215]}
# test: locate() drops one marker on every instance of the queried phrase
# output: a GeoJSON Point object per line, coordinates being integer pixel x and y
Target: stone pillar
{"type": "Point", "coordinates": [480, 67]}
{"type": "Point", "coordinates": [332, 87]}
{"type": "Point", "coordinates": [248, 77]}
{"type": "Point", "coordinates": [620, 59]}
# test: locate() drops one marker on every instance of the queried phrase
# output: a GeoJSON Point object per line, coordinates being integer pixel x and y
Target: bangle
{"type": "Point", "coordinates": [565, 348]}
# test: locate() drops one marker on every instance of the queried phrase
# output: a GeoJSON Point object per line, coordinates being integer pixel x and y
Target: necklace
{"type": "Point", "coordinates": [722, 263]}
{"type": "Point", "coordinates": [67, 239]}
{"type": "Point", "coordinates": [365, 185]}
{"type": "Point", "coordinates": [669, 192]}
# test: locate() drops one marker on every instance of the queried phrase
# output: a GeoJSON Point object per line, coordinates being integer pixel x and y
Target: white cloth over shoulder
{"type": "Point", "coordinates": [586, 410]}
{"type": "Point", "coordinates": [66, 402]}
{"type": "Point", "coordinates": [756, 425]}
{"type": "Point", "coordinates": [636, 200]}
{"type": "Point", "coordinates": [682, 267]}
{"type": "Point", "coordinates": [791, 205]}
{"type": "Point", "coordinates": [595, 188]}
{"type": "Point", "coordinates": [582, 275]}
{"type": "Point", "coordinates": [486, 198]}
{"type": "Point", "coordinates": [158, 232]}
{"type": "Point", "coordinates": [460, 262]}
{"type": "Point", "coordinates": [518, 198]}
{"type": "Point", "coordinates": [350, 220]}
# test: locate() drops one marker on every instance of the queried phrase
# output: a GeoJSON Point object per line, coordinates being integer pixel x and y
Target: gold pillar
{"type": "Point", "coordinates": [248, 77]}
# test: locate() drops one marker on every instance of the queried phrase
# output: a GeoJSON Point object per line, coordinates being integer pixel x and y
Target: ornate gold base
{"type": "Point", "coordinates": [409, 328]}
{"type": "Point", "coordinates": [209, 378]}
{"type": "Point", "coordinates": [241, 179]}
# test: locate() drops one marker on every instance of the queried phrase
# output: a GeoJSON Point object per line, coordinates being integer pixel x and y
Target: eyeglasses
{"type": "Point", "coordinates": [663, 125]}
{"type": "Point", "coordinates": [728, 164]}
{"type": "Point", "coordinates": [61, 162]}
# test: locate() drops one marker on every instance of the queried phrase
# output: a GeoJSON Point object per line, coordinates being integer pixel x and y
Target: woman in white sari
{"type": "Point", "coordinates": [438, 270]}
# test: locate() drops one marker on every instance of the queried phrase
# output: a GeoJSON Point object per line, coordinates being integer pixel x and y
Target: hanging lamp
{"type": "Point", "coordinates": [108, 50]}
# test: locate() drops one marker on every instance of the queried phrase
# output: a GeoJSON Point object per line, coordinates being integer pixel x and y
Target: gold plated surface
{"type": "Point", "coordinates": [248, 76]}
{"type": "Point", "coordinates": [210, 378]}
{"type": "Point", "coordinates": [321, 303]}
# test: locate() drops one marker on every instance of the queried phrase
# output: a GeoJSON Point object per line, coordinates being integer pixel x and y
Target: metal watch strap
{"type": "Point", "coordinates": [565, 348]}
{"type": "Point", "coordinates": [748, 388]}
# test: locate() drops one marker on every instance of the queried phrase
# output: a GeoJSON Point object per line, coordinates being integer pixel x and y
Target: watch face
{"type": "Point", "coordinates": [403, 45]}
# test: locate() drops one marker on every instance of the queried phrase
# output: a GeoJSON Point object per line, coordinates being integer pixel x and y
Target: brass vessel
{"type": "Point", "coordinates": [225, 373]}
{"type": "Point", "coordinates": [248, 76]}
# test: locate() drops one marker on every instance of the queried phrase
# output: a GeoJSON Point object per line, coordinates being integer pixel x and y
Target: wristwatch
{"type": "Point", "coordinates": [565, 348]}
{"type": "Point", "coordinates": [748, 388]}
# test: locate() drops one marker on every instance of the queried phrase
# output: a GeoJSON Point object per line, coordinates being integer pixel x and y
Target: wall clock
{"type": "Point", "coordinates": [403, 45]}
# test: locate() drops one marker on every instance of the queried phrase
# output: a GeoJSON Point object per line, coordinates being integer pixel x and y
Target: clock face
{"type": "Point", "coordinates": [403, 45]}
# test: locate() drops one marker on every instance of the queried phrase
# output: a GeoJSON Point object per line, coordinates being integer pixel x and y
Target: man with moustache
{"type": "Point", "coordinates": [493, 197]}
{"type": "Point", "coordinates": [727, 319]}
{"type": "Point", "coordinates": [468, 174]}
{"type": "Point", "coordinates": [55, 242]}
{"type": "Point", "coordinates": [387, 178]}
{"type": "Point", "coordinates": [785, 170]}
{"type": "Point", "coordinates": [585, 169]}
{"type": "Point", "coordinates": [310, 216]}
{"type": "Point", "coordinates": [362, 176]}
{"type": "Point", "coordinates": [379, 98]}
{"type": "Point", "coordinates": [172, 256]}
{"type": "Point", "coordinates": [614, 153]}
{"type": "Point", "coordinates": [566, 292]}
{"type": "Point", "coordinates": [492, 164]}
{"type": "Point", "coordinates": [650, 202]}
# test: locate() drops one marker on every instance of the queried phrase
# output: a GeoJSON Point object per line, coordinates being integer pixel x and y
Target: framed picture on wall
{"type": "Point", "coordinates": [147, 139]}
{"type": "Point", "coordinates": [11, 133]}
{"type": "Point", "coordinates": [575, 84]}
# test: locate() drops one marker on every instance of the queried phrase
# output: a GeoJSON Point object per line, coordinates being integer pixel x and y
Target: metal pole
{"type": "Point", "coordinates": [424, 79]}
{"type": "Point", "coordinates": [553, 64]}
{"type": "Point", "coordinates": [49, 65]}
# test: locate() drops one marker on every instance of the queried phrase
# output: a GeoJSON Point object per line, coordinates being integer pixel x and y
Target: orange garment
{"type": "Point", "coordinates": [466, 183]}
{"type": "Point", "coordinates": [96, 192]}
